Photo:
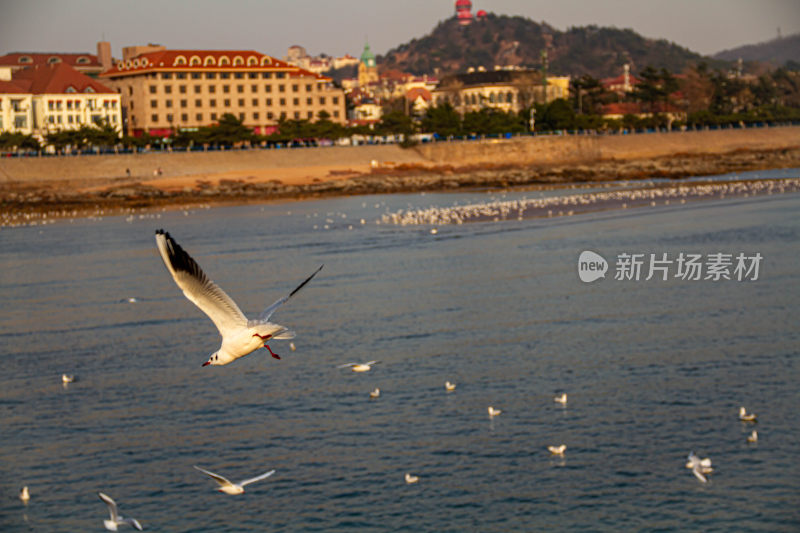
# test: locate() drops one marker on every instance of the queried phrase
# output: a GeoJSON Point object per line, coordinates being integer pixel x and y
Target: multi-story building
{"type": "Point", "coordinates": [167, 90]}
{"type": "Point", "coordinates": [506, 90]}
{"type": "Point", "coordinates": [53, 97]}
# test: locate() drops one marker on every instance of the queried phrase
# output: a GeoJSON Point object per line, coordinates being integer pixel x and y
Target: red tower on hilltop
{"type": "Point", "coordinates": [464, 12]}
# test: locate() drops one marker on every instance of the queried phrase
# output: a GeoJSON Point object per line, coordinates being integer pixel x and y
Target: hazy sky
{"type": "Point", "coordinates": [337, 27]}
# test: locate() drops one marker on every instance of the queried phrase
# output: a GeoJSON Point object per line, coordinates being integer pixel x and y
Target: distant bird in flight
{"type": "Point", "coordinates": [700, 467]}
{"type": "Point", "coordinates": [116, 519]}
{"type": "Point", "coordinates": [229, 487]}
{"type": "Point", "coordinates": [240, 336]}
{"type": "Point", "coordinates": [359, 367]}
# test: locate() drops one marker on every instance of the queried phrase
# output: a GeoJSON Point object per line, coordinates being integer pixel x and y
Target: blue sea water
{"type": "Point", "coordinates": [653, 369]}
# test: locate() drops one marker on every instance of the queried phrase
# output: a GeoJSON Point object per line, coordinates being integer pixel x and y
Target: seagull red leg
{"type": "Point", "coordinates": [265, 338]}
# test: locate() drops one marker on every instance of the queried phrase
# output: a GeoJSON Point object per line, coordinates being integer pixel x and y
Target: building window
{"type": "Point", "coordinates": [198, 89]}
{"type": "Point", "coordinates": [335, 100]}
{"type": "Point", "coordinates": [21, 121]}
{"type": "Point", "coordinates": [240, 89]}
{"type": "Point", "coordinates": [280, 75]}
{"type": "Point", "coordinates": [255, 116]}
{"type": "Point", "coordinates": [213, 116]}
{"type": "Point", "coordinates": [270, 115]}
{"type": "Point", "coordinates": [295, 87]}
{"type": "Point", "coordinates": [184, 117]}
{"type": "Point", "coordinates": [170, 118]}
{"type": "Point", "coordinates": [153, 104]}
{"type": "Point", "coordinates": [180, 75]}
{"type": "Point", "coordinates": [297, 115]}
{"type": "Point", "coordinates": [212, 103]}
{"type": "Point", "coordinates": [295, 101]}
{"type": "Point", "coordinates": [169, 103]}
{"type": "Point", "coordinates": [182, 89]}
{"type": "Point", "coordinates": [199, 117]}
{"type": "Point", "coordinates": [224, 75]}
{"type": "Point", "coordinates": [166, 75]}
{"type": "Point", "coordinates": [184, 103]}
{"type": "Point", "coordinates": [198, 103]}
{"type": "Point", "coordinates": [211, 75]}
{"type": "Point", "coordinates": [154, 118]}
{"type": "Point", "coordinates": [130, 91]}
{"type": "Point", "coordinates": [283, 115]}
{"type": "Point", "coordinates": [241, 117]}
{"type": "Point", "coordinates": [152, 89]}
{"type": "Point", "coordinates": [266, 75]}
{"type": "Point", "coordinates": [281, 88]}
{"type": "Point", "coordinates": [253, 75]}
{"type": "Point", "coordinates": [240, 102]}
{"type": "Point", "coordinates": [226, 89]}
{"type": "Point", "coordinates": [238, 75]}
{"type": "Point", "coordinates": [336, 114]}
{"type": "Point", "coordinates": [212, 89]}
{"type": "Point", "coordinates": [254, 88]}
{"type": "Point", "coordinates": [321, 100]}
{"type": "Point", "coordinates": [268, 88]}
{"type": "Point", "coordinates": [309, 88]}
{"type": "Point", "coordinates": [282, 102]}
{"type": "Point", "coordinates": [195, 75]}
{"type": "Point", "coordinates": [131, 104]}
{"type": "Point", "coordinates": [309, 101]}
{"type": "Point", "coordinates": [167, 89]}
{"type": "Point", "coordinates": [227, 102]}
{"type": "Point", "coordinates": [255, 102]}
{"type": "Point", "coordinates": [310, 115]}
{"type": "Point", "coordinates": [269, 102]}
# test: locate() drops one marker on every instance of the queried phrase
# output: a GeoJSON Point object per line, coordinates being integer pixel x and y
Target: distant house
{"type": "Point", "coordinates": [53, 97]}
{"type": "Point", "coordinates": [617, 111]}
{"type": "Point", "coordinates": [621, 85]}
{"type": "Point", "coordinates": [419, 100]}
{"type": "Point", "coordinates": [506, 90]}
{"type": "Point", "coordinates": [87, 64]}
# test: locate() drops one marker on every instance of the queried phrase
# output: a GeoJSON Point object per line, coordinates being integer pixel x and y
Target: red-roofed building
{"type": "Point", "coordinates": [166, 90]}
{"type": "Point", "coordinates": [622, 84]}
{"type": "Point", "coordinates": [419, 100]}
{"type": "Point", "coordinates": [88, 64]}
{"type": "Point", "coordinates": [52, 97]}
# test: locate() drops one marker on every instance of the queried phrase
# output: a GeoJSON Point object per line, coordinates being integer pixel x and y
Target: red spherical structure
{"type": "Point", "coordinates": [480, 15]}
{"type": "Point", "coordinates": [464, 11]}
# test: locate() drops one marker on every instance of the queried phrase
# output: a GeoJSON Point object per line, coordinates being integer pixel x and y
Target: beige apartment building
{"type": "Point", "coordinates": [166, 90]}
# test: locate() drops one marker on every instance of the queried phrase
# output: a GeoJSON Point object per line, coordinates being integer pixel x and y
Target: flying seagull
{"type": "Point", "coordinates": [240, 336]}
{"type": "Point", "coordinates": [700, 467]}
{"type": "Point", "coordinates": [116, 519]}
{"type": "Point", "coordinates": [228, 487]}
{"type": "Point", "coordinates": [359, 367]}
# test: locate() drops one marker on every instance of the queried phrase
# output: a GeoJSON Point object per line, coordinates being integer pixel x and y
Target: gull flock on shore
{"type": "Point", "coordinates": [567, 205]}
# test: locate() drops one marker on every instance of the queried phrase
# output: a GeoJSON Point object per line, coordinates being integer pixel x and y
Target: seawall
{"type": "Point", "coordinates": [321, 162]}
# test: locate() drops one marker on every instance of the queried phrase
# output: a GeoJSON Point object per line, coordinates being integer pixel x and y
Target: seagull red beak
{"type": "Point", "coordinates": [206, 363]}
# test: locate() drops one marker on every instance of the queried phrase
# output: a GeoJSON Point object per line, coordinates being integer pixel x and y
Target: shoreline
{"type": "Point", "coordinates": [24, 201]}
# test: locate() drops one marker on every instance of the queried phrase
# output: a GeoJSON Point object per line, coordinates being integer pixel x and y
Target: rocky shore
{"type": "Point", "coordinates": [60, 198]}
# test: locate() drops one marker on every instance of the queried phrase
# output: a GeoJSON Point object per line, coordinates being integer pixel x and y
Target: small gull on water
{"type": "Point", "coordinates": [557, 450]}
{"type": "Point", "coordinates": [753, 437]}
{"type": "Point", "coordinates": [744, 416]}
{"type": "Point", "coordinates": [411, 479]}
{"type": "Point", "coordinates": [24, 495]}
{"type": "Point", "coordinates": [117, 519]}
{"type": "Point", "coordinates": [240, 336]}
{"type": "Point", "coordinates": [494, 412]}
{"type": "Point", "coordinates": [231, 488]}
{"type": "Point", "coordinates": [449, 387]}
{"type": "Point", "coordinates": [375, 393]}
{"type": "Point", "coordinates": [562, 399]}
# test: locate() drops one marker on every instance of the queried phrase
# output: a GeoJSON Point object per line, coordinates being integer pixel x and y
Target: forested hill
{"type": "Point", "coordinates": [778, 52]}
{"type": "Point", "coordinates": [504, 40]}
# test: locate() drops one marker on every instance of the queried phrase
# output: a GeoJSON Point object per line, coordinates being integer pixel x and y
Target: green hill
{"type": "Point", "coordinates": [504, 40]}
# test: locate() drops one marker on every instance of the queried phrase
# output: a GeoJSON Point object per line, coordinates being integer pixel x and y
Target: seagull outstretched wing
{"type": "Point", "coordinates": [197, 287]}
{"type": "Point", "coordinates": [257, 478]}
{"type": "Point", "coordinates": [267, 313]}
